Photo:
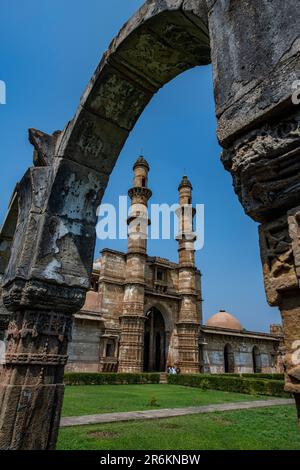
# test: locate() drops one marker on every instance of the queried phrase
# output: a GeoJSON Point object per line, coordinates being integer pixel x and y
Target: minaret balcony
{"type": "Point", "coordinates": [140, 194]}
{"type": "Point", "coordinates": [186, 237]}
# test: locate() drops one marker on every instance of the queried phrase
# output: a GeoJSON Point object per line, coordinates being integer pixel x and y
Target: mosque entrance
{"type": "Point", "coordinates": [154, 342]}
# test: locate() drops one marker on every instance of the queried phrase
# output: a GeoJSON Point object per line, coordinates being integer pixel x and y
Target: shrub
{"type": "Point", "coordinates": [264, 376]}
{"type": "Point", "coordinates": [153, 402]}
{"type": "Point", "coordinates": [231, 383]}
{"type": "Point", "coordinates": [106, 378]}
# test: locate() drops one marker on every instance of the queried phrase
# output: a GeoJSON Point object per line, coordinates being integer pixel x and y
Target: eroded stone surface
{"type": "Point", "coordinates": [265, 167]}
{"type": "Point", "coordinates": [256, 58]}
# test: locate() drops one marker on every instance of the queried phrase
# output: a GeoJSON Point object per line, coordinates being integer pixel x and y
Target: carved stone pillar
{"type": "Point", "coordinates": [255, 69]}
{"type": "Point", "coordinates": [280, 242]}
{"type": "Point", "coordinates": [266, 173]}
{"type": "Point", "coordinates": [31, 390]}
{"type": "Point", "coordinates": [44, 284]}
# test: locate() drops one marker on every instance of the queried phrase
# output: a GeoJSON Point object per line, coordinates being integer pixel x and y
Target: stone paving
{"type": "Point", "coordinates": [170, 412]}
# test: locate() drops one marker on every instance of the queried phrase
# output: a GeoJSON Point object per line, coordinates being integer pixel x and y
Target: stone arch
{"type": "Point", "coordinates": [165, 311]}
{"type": "Point", "coordinates": [229, 363]}
{"type": "Point", "coordinates": [258, 127]}
{"type": "Point", "coordinates": [162, 40]}
{"type": "Point", "coordinates": [170, 328]}
{"type": "Point", "coordinates": [155, 353]}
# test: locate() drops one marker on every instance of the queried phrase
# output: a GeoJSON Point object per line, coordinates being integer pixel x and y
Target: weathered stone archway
{"type": "Point", "coordinates": [52, 253]}
{"type": "Point", "coordinates": [155, 341]}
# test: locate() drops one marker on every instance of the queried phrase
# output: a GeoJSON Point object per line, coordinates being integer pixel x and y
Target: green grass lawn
{"type": "Point", "coordinates": [95, 399]}
{"type": "Point", "coordinates": [263, 429]}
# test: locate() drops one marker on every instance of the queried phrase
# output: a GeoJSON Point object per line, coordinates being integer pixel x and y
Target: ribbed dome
{"type": "Point", "coordinates": [223, 319]}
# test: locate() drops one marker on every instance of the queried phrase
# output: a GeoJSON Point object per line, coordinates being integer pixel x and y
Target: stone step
{"type": "Point", "coordinates": [163, 378]}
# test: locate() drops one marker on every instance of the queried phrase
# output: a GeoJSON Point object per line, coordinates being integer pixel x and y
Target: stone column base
{"type": "Point", "coordinates": [40, 405]}
{"type": "Point", "coordinates": [32, 390]}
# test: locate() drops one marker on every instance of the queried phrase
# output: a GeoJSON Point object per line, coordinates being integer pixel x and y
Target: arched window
{"type": "Point", "coordinates": [256, 358]}
{"type": "Point", "coordinates": [228, 359]}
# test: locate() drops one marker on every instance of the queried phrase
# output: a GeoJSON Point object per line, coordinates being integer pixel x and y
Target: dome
{"type": "Point", "coordinates": [223, 319]}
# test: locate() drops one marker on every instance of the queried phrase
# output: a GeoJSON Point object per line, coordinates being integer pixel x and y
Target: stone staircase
{"type": "Point", "coordinates": [163, 378]}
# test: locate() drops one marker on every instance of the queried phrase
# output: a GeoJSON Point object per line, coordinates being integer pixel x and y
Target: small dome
{"type": "Point", "coordinates": [141, 161]}
{"type": "Point", "coordinates": [223, 319]}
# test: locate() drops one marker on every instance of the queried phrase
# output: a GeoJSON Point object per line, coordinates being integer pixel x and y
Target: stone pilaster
{"type": "Point", "coordinates": [189, 322]}
{"type": "Point", "coordinates": [132, 319]}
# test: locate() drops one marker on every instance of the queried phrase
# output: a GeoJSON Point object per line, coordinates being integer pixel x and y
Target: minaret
{"type": "Point", "coordinates": [132, 318]}
{"type": "Point", "coordinates": [188, 325]}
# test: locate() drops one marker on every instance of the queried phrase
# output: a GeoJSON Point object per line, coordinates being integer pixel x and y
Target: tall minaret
{"type": "Point", "coordinates": [188, 325]}
{"type": "Point", "coordinates": [132, 318]}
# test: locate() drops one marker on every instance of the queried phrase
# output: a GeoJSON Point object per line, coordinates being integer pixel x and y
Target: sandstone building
{"type": "Point", "coordinates": [144, 313]}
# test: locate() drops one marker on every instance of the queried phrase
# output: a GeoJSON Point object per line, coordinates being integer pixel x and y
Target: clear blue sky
{"type": "Point", "coordinates": [49, 50]}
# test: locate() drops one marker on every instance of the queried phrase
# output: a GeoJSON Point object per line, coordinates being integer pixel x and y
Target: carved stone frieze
{"type": "Point", "coordinates": [294, 232]}
{"type": "Point", "coordinates": [21, 293]}
{"type": "Point", "coordinates": [36, 359]}
{"type": "Point", "coordinates": [265, 167]}
{"type": "Point", "coordinates": [277, 259]}
{"type": "Point", "coordinates": [280, 254]}
{"type": "Point", "coordinates": [35, 323]}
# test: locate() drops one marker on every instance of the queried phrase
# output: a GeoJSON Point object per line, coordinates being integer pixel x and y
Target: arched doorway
{"type": "Point", "coordinates": [256, 358]}
{"type": "Point", "coordinates": [154, 342]}
{"type": "Point", "coordinates": [228, 359]}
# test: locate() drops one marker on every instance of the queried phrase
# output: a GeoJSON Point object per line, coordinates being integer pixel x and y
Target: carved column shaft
{"type": "Point", "coordinates": [44, 284]}
{"type": "Point", "coordinates": [131, 352]}
{"type": "Point", "coordinates": [266, 174]}
{"type": "Point", "coordinates": [131, 344]}
{"type": "Point", "coordinates": [189, 322]}
{"type": "Point", "coordinates": [32, 379]}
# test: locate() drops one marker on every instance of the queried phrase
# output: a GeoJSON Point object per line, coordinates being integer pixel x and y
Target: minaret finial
{"type": "Point", "coordinates": [141, 161]}
{"type": "Point", "coordinates": [185, 183]}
